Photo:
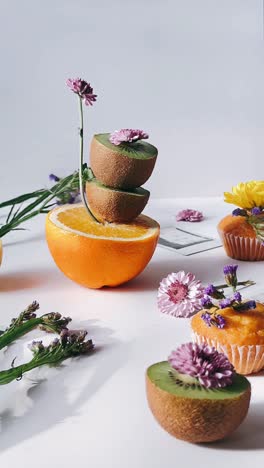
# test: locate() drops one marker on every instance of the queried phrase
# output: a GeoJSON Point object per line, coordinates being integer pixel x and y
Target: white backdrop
{"type": "Point", "coordinates": [189, 72]}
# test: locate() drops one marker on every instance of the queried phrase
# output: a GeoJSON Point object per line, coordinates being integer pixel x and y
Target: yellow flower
{"type": "Point", "coordinates": [247, 195]}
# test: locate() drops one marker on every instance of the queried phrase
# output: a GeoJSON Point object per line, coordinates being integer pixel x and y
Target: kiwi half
{"type": "Point", "coordinates": [125, 166]}
{"type": "Point", "coordinates": [115, 205]}
{"type": "Point", "coordinates": [194, 413]}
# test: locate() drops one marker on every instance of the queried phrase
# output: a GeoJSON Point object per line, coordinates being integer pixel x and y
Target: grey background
{"type": "Point", "coordinates": [190, 72]}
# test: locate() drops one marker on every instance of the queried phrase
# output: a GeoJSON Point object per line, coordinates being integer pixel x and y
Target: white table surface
{"type": "Point", "coordinates": [93, 411]}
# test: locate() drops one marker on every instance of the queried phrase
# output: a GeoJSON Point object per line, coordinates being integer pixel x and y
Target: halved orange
{"type": "Point", "coordinates": [97, 255]}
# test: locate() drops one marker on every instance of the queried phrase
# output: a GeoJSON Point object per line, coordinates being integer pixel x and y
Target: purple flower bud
{"type": "Point", "coordinates": [225, 303]}
{"type": "Point", "coordinates": [237, 297]}
{"type": "Point", "coordinates": [212, 291]}
{"type": "Point", "coordinates": [246, 306]}
{"type": "Point", "coordinates": [54, 178]}
{"type": "Point", "coordinates": [213, 319]}
{"type": "Point", "coordinates": [256, 210]}
{"type": "Point", "coordinates": [230, 272]}
{"type": "Point", "coordinates": [239, 212]}
{"type": "Point", "coordinates": [206, 302]}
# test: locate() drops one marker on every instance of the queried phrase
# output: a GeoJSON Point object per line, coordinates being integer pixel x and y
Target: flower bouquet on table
{"type": "Point", "coordinates": [104, 240]}
{"type": "Point", "coordinates": [242, 232]}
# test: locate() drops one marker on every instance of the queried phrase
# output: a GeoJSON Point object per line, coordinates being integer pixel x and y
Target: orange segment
{"type": "Point", "coordinates": [97, 255]}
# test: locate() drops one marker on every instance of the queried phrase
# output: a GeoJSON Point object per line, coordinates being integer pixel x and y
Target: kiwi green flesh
{"type": "Point", "coordinates": [139, 191]}
{"type": "Point", "coordinates": [161, 374]}
{"type": "Point", "coordinates": [139, 149]}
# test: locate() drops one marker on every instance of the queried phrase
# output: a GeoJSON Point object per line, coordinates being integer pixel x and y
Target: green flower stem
{"type": "Point", "coordinates": [13, 333]}
{"type": "Point", "coordinates": [81, 182]}
{"type": "Point", "coordinates": [240, 283]}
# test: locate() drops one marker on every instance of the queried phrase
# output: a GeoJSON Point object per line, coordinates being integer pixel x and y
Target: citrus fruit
{"type": "Point", "coordinates": [97, 255]}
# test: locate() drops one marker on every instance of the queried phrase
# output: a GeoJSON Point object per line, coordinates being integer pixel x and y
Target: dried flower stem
{"type": "Point", "coordinates": [81, 182]}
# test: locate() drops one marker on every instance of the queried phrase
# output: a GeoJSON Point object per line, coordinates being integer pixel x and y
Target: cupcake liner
{"type": "Point", "coordinates": [242, 248]}
{"type": "Point", "coordinates": [247, 359]}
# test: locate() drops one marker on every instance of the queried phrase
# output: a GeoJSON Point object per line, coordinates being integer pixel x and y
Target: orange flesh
{"type": "Point", "coordinates": [242, 328]}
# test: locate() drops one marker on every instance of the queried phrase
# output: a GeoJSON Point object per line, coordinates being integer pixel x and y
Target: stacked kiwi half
{"type": "Point", "coordinates": [115, 193]}
{"type": "Point", "coordinates": [192, 412]}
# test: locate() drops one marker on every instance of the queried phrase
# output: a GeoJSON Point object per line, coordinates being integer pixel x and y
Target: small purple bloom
{"type": "Point", "coordinates": [213, 319]}
{"type": "Point", "coordinates": [237, 297]}
{"type": "Point", "coordinates": [249, 305]}
{"type": "Point", "coordinates": [225, 303]}
{"type": "Point", "coordinates": [239, 212]}
{"type": "Point", "coordinates": [256, 210]}
{"type": "Point", "coordinates": [193, 216]}
{"type": "Point", "coordinates": [206, 302]}
{"type": "Point", "coordinates": [83, 89]}
{"type": "Point", "coordinates": [230, 272]}
{"type": "Point", "coordinates": [127, 135]}
{"type": "Point", "coordinates": [205, 364]}
{"type": "Point", "coordinates": [212, 291]}
{"type": "Point", "coordinates": [54, 178]}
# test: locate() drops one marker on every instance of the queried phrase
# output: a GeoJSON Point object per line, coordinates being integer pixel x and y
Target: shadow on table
{"type": "Point", "coordinates": [20, 280]}
{"type": "Point", "coordinates": [49, 403]}
{"type": "Point", "coordinates": [249, 436]}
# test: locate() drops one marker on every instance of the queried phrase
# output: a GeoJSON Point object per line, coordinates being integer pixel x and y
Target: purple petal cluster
{"type": "Point", "coordinates": [127, 135]}
{"type": "Point", "coordinates": [249, 305]}
{"type": "Point", "coordinates": [213, 319]}
{"type": "Point", "coordinates": [192, 216]}
{"type": "Point", "coordinates": [213, 292]}
{"type": "Point", "coordinates": [227, 302]}
{"type": "Point", "coordinates": [206, 302]}
{"type": "Point", "coordinates": [256, 211]}
{"type": "Point", "coordinates": [239, 212]}
{"type": "Point", "coordinates": [230, 272]}
{"type": "Point", "coordinates": [211, 368]}
{"type": "Point", "coordinates": [83, 89]}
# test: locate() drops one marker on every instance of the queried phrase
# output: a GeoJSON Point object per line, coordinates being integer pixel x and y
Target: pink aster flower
{"type": "Point", "coordinates": [83, 89]}
{"type": "Point", "coordinates": [127, 135]}
{"type": "Point", "coordinates": [180, 294]}
{"type": "Point", "coordinates": [193, 216]}
{"type": "Point", "coordinates": [205, 364]}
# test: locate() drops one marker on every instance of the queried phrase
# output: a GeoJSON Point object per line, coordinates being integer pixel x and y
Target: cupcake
{"type": "Point", "coordinates": [232, 325]}
{"type": "Point", "coordinates": [196, 395]}
{"type": "Point", "coordinates": [242, 232]}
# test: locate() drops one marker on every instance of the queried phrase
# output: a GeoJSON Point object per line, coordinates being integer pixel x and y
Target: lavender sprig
{"type": "Point", "coordinates": [70, 344]}
{"type": "Point", "coordinates": [44, 200]}
{"type": "Point", "coordinates": [28, 321]}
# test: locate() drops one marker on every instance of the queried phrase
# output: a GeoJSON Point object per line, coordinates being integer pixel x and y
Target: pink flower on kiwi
{"type": "Point", "coordinates": [180, 294]}
{"type": "Point", "coordinates": [211, 368]}
{"type": "Point", "coordinates": [127, 135]}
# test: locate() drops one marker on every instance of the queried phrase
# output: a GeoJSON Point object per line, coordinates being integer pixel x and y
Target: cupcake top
{"type": "Point", "coordinates": [240, 328]}
{"type": "Point", "coordinates": [248, 219]}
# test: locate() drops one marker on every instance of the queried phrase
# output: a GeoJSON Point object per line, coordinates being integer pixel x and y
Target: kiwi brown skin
{"type": "Point", "coordinates": [196, 420]}
{"type": "Point", "coordinates": [115, 206]}
{"type": "Point", "coordinates": [118, 170]}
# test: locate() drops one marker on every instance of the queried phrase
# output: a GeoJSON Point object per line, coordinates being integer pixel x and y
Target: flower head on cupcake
{"type": "Point", "coordinates": [242, 232]}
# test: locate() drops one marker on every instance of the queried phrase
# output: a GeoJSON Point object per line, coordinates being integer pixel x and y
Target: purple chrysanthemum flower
{"type": "Point", "coordinates": [227, 302]}
{"type": "Point", "coordinates": [180, 294]}
{"type": "Point", "coordinates": [54, 178]}
{"type": "Point", "coordinates": [256, 210]}
{"type": "Point", "coordinates": [230, 272]}
{"type": "Point", "coordinates": [237, 297]}
{"type": "Point", "coordinates": [211, 368]}
{"type": "Point", "coordinates": [83, 89]}
{"type": "Point", "coordinates": [213, 319]}
{"type": "Point", "coordinates": [127, 135]}
{"type": "Point", "coordinates": [192, 216]}
{"type": "Point", "coordinates": [239, 212]}
{"type": "Point", "coordinates": [212, 291]}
